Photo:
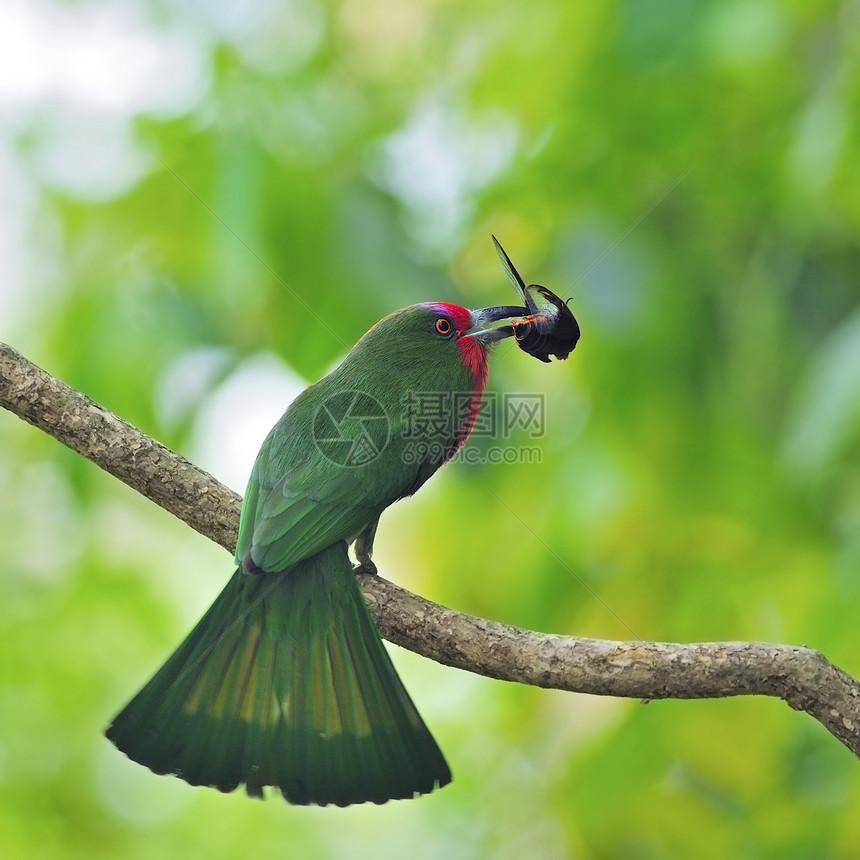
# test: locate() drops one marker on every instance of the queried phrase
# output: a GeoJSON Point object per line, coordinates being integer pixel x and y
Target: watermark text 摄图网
{"type": "Point", "coordinates": [439, 414]}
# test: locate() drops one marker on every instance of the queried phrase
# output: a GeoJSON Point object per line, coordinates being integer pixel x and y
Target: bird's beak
{"type": "Point", "coordinates": [484, 325]}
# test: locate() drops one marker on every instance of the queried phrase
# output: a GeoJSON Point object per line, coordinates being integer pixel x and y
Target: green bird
{"type": "Point", "coordinates": [285, 680]}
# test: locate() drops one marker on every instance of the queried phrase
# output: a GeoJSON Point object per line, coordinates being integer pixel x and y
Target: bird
{"type": "Point", "coordinates": [285, 681]}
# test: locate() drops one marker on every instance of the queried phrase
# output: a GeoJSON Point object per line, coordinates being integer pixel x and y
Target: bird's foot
{"type": "Point", "coordinates": [365, 565]}
{"type": "Point", "coordinates": [363, 547]}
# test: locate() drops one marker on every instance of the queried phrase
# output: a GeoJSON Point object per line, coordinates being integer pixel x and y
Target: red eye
{"type": "Point", "coordinates": [443, 326]}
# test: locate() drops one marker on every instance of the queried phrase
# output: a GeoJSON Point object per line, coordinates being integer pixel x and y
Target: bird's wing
{"type": "Point", "coordinates": [307, 511]}
{"type": "Point", "coordinates": [299, 501]}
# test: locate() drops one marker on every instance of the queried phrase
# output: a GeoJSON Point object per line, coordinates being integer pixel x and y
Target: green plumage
{"type": "Point", "coordinates": [285, 681]}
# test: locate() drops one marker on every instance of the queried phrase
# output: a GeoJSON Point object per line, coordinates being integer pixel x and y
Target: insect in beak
{"type": "Point", "coordinates": [548, 327]}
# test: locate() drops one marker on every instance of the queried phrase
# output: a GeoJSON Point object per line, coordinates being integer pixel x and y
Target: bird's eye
{"type": "Point", "coordinates": [443, 326]}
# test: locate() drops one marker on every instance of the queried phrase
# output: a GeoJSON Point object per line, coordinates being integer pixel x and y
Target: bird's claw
{"type": "Point", "coordinates": [365, 565]}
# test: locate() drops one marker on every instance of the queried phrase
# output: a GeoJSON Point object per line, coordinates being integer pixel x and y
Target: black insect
{"type": "Point", "coordinates": [549, 327]}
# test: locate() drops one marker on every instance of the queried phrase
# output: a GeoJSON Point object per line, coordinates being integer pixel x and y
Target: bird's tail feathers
{"type": "Point", "coordinates": [285, 682]}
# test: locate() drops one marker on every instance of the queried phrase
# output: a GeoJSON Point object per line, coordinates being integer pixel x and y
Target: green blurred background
{"type": "Point", "coordinates": [699, 470]}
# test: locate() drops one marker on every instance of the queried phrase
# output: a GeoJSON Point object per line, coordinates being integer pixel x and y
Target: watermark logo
{"type": "Point", "coordinates": [432, 420]}
{"type": "Point", "coordinates": [351, 428]}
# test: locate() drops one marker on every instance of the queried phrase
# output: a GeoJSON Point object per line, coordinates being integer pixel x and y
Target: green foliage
{"type": "Point", "coordinates": [303, 169]}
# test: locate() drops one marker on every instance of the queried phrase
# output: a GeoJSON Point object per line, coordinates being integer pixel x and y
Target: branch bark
{"type": "Point", "coordinates": [800, 676]}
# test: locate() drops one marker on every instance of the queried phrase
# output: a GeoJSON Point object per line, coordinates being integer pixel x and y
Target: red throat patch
{"type": "Point", "coordinates": [474, 355]}
{"type": "Point", "coordinates": [472, 351]}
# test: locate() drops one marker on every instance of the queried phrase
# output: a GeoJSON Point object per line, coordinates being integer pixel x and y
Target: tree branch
{"type": "Point", "coordinates": [799, 676]}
